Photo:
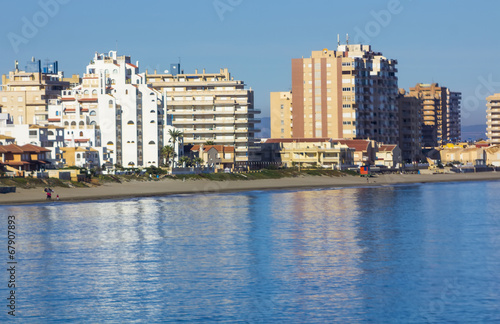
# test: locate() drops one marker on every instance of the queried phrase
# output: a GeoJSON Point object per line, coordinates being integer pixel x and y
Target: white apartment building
{"type": "Point", "coordinates": [211, 107]}
{"type": "Point", "coordinates": [114, 108]}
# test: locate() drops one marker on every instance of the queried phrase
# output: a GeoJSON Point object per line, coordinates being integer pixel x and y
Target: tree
{"type": "Point", "coordinates": [175, 136]}
{"type": "Point", "coordinates": [186, 160]}
{"type": "Point", "coordinates": [209, 143]}
{"type": "Point", "coordinates": [167, 152]}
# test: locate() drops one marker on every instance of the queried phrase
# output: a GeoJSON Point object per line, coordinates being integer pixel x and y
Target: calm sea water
{"type": "Point", "coordinates": [396, 254]}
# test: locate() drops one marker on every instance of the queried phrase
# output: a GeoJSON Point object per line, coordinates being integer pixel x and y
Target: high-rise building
{"type": "Point", "coordinates": [26, 94]}
{"type": "Point", "coordinates": [493, 119]}
{"type": "Point", "coordinates": [348, 93]}
{"type": "Point", "coordinates": [281, 118]}
{"type": "Point", "coordinates": [211, 108]}
{"type": "Point", "coordinates": [441, 114]}
{"type": "Point", "coordinates": [410, 126]}
{"type": "Point", "coordinates": [114, 108]}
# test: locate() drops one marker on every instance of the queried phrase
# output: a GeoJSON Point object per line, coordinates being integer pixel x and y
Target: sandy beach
{"type": "Point", "coordinates": [135, 189]}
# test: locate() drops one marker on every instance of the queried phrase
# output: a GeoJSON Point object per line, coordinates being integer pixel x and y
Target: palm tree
{"type": "Point", "coordinates": [185, 159]}
{"type": "Point", "coordinates": [167, 152]}
{"type": "Point", "coordinates": [175, 136]}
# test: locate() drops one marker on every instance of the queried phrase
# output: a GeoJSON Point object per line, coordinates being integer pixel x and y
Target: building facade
{"type": "Point", "coordinates": [114, 108]}
{"type": "Point", "coordinates": [25, 95]}
{"type": "Point", "coordinates": [281, 115]}
{"type": "Point", "coordinates": [211, 108]}
{"type": "Point", "coordinates": [441, 114]}
{"type": "Point", "coordinates": [493, 119]}
{"type": "Point", "coordinates": [410, 126]}
{"type": "Point", "coordinates": [348, 93]}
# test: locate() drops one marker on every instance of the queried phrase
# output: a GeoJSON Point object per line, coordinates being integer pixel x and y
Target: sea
{"type": "Point", "coordinates": [419, 253]}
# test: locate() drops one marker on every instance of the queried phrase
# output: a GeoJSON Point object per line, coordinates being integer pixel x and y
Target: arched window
{"type": "Point", "coordinates": [115, 71]}
{"type": "Point", "coordinates": [152, 111]}
{"type": "Point", "coordinates": [86, 92]}
{"type": "Point", "coordinates": [51, 132]}
{"type": "Point", "coordinates": [110, 104]}
{"type": "Point", "coordinates": [66, 123]}
{"type": "Point", "coordinates": [152, 143]}
{"type": "Point", "coordinates": [131, 163]}
{"type": "Point", "coordinates": [81, 124]}
{"type": "Point", "coordinates": [110, 143]}
{"type": "Point", "coordinates": [130, 122]}
{"type": "Point", "coordinates": [92, 113]}
{"type": "Point", "coordinates": [113, 81]}
{"type": "Point", "coordinates": [152, 94]}
{"type": "Point", "coordinates": [78, 156]}
{"type": "Point", "coordinates": [94, 92]}
{"type": "Point", "coordinates": [152, 122]}
{"type": "Point", "coordinates": [93, 123]}
{"type": "Point", "coordinates": [73, 123]}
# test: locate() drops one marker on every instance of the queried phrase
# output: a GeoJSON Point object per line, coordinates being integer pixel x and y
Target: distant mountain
{"type": "Point", "coordinates": [473, 132]}
{"type": "Point", "coordinates": [265, 128]}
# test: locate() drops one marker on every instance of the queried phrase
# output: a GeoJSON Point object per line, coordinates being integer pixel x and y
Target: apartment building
{"type": "Point", "coordinates": [25, 94]}
{"type": "Point", "coordinates": [211, 108]}
{"type": "Point", "coordinates": [493, 119]}
{"type": "Point", "coordinates": [115, 109]}
{"type": "Point", "coordinates": [441, 114]}
{"type": "Point", "coordinates": [281, 116]}
{"type": "Point", "coordinates": [345, 93]}
{"type": "Point", "coordinates": [410, 126]}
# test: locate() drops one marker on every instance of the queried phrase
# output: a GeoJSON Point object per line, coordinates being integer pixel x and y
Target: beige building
{"type": "Point", "coordinates": [364, 150]}
{"type": "Point", "coordinates": [218, 156]}
{"type": "Point", "coordinates": [389, 156]}
{"type": "Point", "coordinates": [462, 154]}
{"type": "Point", "coordinates": [441, 114]}
{"type": "Point", "coordinates": [306, 152]}
{"type": "Point", "coordinates": [493, 155]}
{"type": "Point", "coordinates": [493, 119]}
{"type": "Point", "coordinates": [211, 107]}
{"type": "Point", "coordinates": [345, 93]}
{"type": "Point", "coordinates": [281, 115]}
{"type": "Point", "coordinates": [25, 95]}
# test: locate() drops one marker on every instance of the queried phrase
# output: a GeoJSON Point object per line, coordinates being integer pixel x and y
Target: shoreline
{"type": "Point", "coordinates": [138, 189]}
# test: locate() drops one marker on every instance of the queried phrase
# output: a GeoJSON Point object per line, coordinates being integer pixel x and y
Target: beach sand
{"type": "Point", "coordinates": [135, 189]}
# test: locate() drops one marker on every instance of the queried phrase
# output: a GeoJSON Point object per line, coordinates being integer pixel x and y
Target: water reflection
{"type": "Point", "coordinates": [349, 255]}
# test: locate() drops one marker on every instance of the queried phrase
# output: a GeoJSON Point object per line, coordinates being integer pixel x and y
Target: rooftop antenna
{"type": "Point", "coordinates": [338, 39]}
{"type": "Point", "coordinates": [347, 39]}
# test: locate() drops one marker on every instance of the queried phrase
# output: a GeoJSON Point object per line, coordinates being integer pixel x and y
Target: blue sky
{"type": "Point", "coordinates": [454, 43]}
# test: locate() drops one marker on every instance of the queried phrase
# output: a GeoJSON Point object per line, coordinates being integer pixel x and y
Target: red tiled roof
{"type": "Point", "coordinates": [132, 65]}
{"type": "Point", "coordinates": [12, 148]}
{"type": "Point", "coordinates": [387, 148]}
{"type": "Point", "coordinates": [34, 148]}
{"type": "Point", "coordinates": [298, 140]}
{"type": "Point", "coordinates": [67, 99]}
{"type": "Point", "coordinates": [357, 145]}
{"type": "Point", "coordinates": [85, 109]}
{"type": "Point", "coordinates": [54, 119]}
{"type": "Point", "coordinates": [16, 163]}
{"type": "Point", "coordinates": [81, 140]}
{"type": "Point", "coordinates": [69, 109]}
{"type": "Point", "coordinates": [87, 99]}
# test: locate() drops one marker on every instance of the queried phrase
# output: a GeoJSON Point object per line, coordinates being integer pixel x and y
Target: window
{"type": "Point", "coordinates": [152, 143]}
{"type": "Point", "coordinates": [78, 156]}
{"type": "Point", "coordinates": [81, 134]}
{"type": "Point", "coordinates": [73, 123]}
{"type": "Point", "coordinates": [130, 122]}
{"type": "Point", "coordinates": [86, 92]}
{"type": "Point", "coordinates": [66, 123]}
{"type": "Point", "coordinates": [110, 104]}
{"type": "Point", "coordinates": [20, 99]}
{"type": "Point", "coordinates": [51, 133]}
{"type": "Point", "coordinates": [110, 143]}
{"type": "Point", "coordinates": [92, 113]}
{"type": "Point", "coordinates": [57, 113]}
{"type": "Point", "coordinates": [152, 122]}
{"type": "Point", "coordinates": [115, 71]}
{"type": "Point", "coordinates": [94, 92]}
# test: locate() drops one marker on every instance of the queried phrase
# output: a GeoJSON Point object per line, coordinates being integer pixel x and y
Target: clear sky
{"type": "Point", "coordinates": [454, 43]}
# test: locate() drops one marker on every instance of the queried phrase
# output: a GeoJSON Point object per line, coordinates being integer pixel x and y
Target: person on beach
{"type": "Point", "coordinates": [49, 194]}
{"type": "Point", "coordinates": [57, 198]}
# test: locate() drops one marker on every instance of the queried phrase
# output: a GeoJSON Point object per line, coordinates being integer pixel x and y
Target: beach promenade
{"type": "Point", "coordinates": [168, 186]}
